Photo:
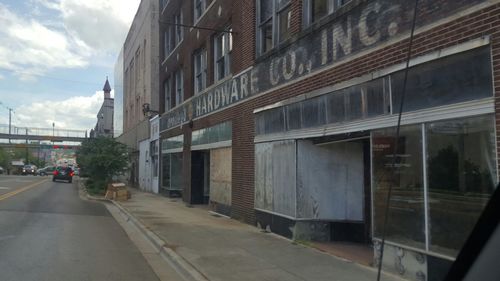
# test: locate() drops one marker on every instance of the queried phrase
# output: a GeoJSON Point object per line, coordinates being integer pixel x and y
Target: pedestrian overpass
{"type": "Point", "coordinates": [41, 134]}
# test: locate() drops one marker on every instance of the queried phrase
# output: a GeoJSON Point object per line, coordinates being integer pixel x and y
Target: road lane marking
{"type": "Point", "coordinates": [4, 188]}
{"type": "Point", "coordinates": [12, 193]}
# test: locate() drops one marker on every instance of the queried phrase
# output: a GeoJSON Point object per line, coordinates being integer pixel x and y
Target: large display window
{"type": "Point", "coordinates": [406, 223]}
{"type": "Point", "coordinates": [445, 174]}
{"type": "Point", "coordinates": [461, 178]}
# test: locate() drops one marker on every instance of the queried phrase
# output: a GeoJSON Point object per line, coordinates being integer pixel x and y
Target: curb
{"type": "Point", "coordinates": [181, 265]}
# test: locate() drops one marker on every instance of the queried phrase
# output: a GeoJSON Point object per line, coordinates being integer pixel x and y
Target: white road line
{"type": "Point", "coordinates": [4, 188]}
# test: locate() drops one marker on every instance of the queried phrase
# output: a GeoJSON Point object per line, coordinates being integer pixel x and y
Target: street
{"type": "Point", "coordinates": [48, 233]}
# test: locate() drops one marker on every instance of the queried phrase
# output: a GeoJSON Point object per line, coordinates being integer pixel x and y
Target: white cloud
{"type": "Point", "coordinates": [64, 34]}
{"type": "Point", "coordinates": [77, 113]}
{"type": "Point", "coordinates": [30, 47]}
{"type": "Point", "coordinates": [101, 24]}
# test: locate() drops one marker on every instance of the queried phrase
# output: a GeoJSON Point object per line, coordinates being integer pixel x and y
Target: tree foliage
{"type": "Point", "coordinates": [4, 158]}
{"type": "Point", "coordinates": [100, 159]}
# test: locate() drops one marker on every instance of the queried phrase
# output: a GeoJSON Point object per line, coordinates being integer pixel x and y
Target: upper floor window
{"type": "Point", "coordinates": [273, 24]}
{"type": "Point", "coordinates": [200, 70]}
{"type": "Point", "coordinates": [179, 87]}
{"type": "Point", "coordinates": [163, 4]}
{"type": "Point", "coordinates": [223, 45]}
{"type": "Point", "coordinates": [315, 10]}
{"type": "Point", "coordinates": [167, 90]}
{"type": "Point", "coordinates": [167, 41]}
{"type": "Point", "coordinates": [179, 29]}
{"type": "Point", "coordinates": [199, 8]}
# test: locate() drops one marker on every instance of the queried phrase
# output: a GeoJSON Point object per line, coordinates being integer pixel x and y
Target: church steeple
{"type": "Point", "coordinates": [107, 89]}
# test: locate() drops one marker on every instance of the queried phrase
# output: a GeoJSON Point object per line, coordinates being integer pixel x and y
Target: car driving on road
{"type": "Point", "coordinates": [63, 173]}
{"type": "Point", "coordinates": [46, 171]}
{"type": "Point", "coordinates": [28, 170]}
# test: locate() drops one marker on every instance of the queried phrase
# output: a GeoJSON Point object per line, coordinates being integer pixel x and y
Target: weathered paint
{"type": "Point", "coordinates": [275, 177]}
{"type": "Point", "coordinates": [366, 26]}
{"type": "Point", "coordinates": [220, 175]}
{"type": "Point", "coordinates": [328, 183]}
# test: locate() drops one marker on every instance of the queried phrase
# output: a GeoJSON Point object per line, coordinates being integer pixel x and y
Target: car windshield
{"type": "Point", "coordinates": [186, 137]}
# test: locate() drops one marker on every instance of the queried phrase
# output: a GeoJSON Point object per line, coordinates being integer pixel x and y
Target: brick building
{"type": "Point", "coordinates": [282, 114]}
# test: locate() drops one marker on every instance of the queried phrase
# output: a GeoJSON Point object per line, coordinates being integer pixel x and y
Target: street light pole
{"type": "Point", "coordinates": [10, 122]}
{"type": "Point", "coordinates": [53, 127]}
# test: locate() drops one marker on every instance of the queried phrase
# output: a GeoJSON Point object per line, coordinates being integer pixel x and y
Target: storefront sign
{"type": "Point", "coordinates": [360, 29]}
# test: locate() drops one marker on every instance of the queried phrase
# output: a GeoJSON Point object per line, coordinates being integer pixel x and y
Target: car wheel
{"type": "Point", "coordinates": [70, 181]}
{"type": "Point", "coordinates": [53, 179]}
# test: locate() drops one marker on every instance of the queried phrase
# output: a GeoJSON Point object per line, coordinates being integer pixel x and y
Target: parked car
{"type": "Point", "coordinates": [28, 170]}
{"type": "Point", "coordinates": [46, 171]}
{"type": "Point", "coordinates": [63, 173]}
{"type": "Point", "coordinates": [1, 170]}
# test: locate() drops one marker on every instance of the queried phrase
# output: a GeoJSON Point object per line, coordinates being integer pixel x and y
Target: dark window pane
{"type": "Point", "coordinates": [274, 121]}
{"type": "Point", "coordinates": [375, 98]}
{"type": "Point", "coordinates": [319, 9]}
{"type": "Point", "coordinates": [313, 112]}
{"type": "Point", "coordinates": [284, 24]}
{"type": "Point", "coordinates": [406, 212]}
{"type": "Point", "coordinates": [260, 123]}
{"type": "Point", "coordinates": [354, 103]}
{"type": "Point", "coordinates": [266, 10]}
{"type": "Point", "coordinates": [176, 176]}
{"type": "Point", "coordinates": [462, 177]}
{"type": "Point", "coordinates": [267, 36]}
{"type": "Point", "coordinates": [458, 78]}
{"type": "Point", "coordinates": [165, 171]}
{"type": "Point", "coordinates": [336, 107]}
{"type": "Point", "coordinates": [293, 116]}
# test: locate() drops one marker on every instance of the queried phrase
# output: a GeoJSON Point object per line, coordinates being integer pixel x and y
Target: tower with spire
{"type": "Point", "coordinates": [107, 89]}
{"type": "Point", "coordinates": [104, 125]}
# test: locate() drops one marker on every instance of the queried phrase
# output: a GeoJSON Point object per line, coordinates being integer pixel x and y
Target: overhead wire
{"type": "Point", "coordinates": [395, 159]}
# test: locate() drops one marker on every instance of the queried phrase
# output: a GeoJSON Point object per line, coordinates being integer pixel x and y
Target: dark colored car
{"type": "Point", "coordinates": [46, 171]}
{"type": "Point", "coordinates": [28, 170]}
{"type": "Point", "coordinates": [63, 173]}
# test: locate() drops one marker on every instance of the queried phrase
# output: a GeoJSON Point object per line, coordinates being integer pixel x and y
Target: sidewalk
{"type": "Point", "coordinates": [224, 249]}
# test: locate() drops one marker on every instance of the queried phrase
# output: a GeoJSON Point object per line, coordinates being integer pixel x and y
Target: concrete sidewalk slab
{"type": "Point", "coordinates": [224, 249]}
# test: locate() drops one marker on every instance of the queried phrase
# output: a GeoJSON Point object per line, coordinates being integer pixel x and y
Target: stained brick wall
{"type": "Point", "coordinates": [485, 22]}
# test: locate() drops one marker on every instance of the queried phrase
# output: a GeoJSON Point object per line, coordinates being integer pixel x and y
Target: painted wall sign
{"type": "Point", "coordinates": [362, 28]}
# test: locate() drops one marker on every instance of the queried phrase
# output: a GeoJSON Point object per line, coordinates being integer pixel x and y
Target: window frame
{"type": "Point", "coordinates": [167, 91]}
{"type": "Point", "coordinates": [203, 7]}
{"type": "Point", "coordinates": [223, 55]}
{"type": "Point", "coordinates": [179, 86]}
{"type": "Point", "coordinates": [178, 30]}
{"type": "Point", "coordinates": [200, 69]}
{"type": "Point", "coordinates": [273, 19]}
{"type": "Point", "coordinates": [332, 6]}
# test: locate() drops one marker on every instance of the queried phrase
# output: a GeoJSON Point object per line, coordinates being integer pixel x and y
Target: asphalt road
{"type": "Point", "coordinates": [48, 233]}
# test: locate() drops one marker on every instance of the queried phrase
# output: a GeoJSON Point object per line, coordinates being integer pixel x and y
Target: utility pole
{"type": "Point", "coordinates": [10, 122]}
{"type": "Point", "coordinates": [27, 153]}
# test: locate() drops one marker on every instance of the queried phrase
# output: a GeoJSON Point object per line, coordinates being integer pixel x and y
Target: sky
{"type": "Point", "coordinates": [55, 56]}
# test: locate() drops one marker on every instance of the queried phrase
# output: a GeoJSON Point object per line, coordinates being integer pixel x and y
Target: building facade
{"type": "Point", "coordinates": [104, 125]}
{"type": "Point", "coordinates": [282, 114]}
{"type": "Point", "coordinates": [118, 96]}
{"type": "Point", "coordinates": [140, 76]}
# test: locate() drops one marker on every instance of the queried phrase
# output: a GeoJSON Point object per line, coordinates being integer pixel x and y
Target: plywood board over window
{"type": "Point", "coordinates": [220, 175]}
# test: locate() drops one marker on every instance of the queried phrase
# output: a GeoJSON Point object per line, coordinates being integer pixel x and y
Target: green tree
{"type": "Point", "coordinates": [100, 159]}
{"type": "Point", "coordinates": [4, 158]}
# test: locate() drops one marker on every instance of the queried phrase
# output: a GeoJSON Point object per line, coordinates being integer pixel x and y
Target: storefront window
{"type": "Point", "coordinates": [406, 224]}
{"type": "Point", "coordinates": [461, 178]}
{"type": "Point", "coordinates": [172, 171]}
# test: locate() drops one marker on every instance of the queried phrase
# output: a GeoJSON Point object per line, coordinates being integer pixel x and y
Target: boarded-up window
{"type": "Point", "coordinates": [220, 175]}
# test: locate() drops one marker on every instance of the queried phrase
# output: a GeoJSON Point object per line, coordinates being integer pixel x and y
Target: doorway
{"type": "Point", "coordinates": [200, 177]}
